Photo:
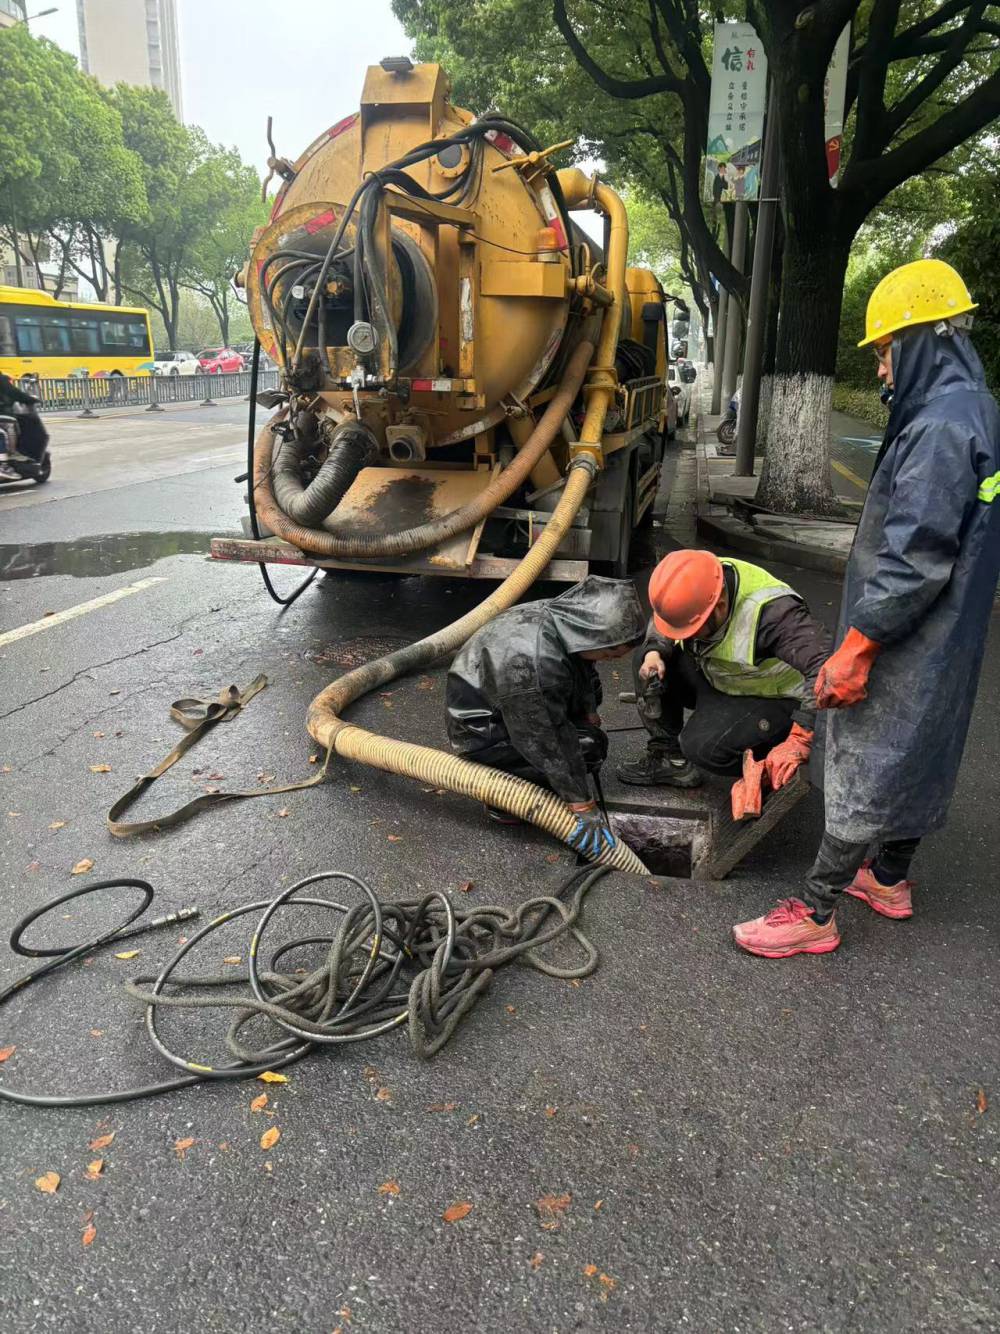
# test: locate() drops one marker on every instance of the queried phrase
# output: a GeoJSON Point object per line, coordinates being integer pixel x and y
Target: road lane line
{"type": "Point", "coordinates": [71, 613]}
{"type": "Point", "coordinates": [845, 471]}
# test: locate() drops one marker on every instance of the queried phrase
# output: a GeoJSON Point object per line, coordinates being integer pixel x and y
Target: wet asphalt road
{"type": "Point", "coordinates": [744, 1145]}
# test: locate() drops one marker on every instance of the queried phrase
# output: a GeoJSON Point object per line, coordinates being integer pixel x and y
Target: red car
{"type": "Point", "coordinates": [219, 360]}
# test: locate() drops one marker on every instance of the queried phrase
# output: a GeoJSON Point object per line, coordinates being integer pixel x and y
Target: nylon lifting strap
{"type": "Point", "coordinates": [198, 716]}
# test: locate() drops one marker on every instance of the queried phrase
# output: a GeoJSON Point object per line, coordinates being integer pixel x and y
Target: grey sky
{"type": "Point", "coordinates": [301, 61]}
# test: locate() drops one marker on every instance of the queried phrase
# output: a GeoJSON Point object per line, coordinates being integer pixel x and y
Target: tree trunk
{"type": "Point", "coordinates": [796, 473]}
{"type": "Point", "coordinates": [770, 335]}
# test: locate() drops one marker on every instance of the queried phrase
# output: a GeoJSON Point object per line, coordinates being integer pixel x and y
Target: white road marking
{"type": "Point", "coordinates": [60, 617]}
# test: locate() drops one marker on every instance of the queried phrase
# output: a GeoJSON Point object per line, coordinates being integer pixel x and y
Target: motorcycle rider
{"type": "Point", "coordinates": [9, 395]}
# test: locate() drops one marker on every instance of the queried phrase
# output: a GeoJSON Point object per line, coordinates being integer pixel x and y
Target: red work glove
{"type": "Point", "coordinates": [782, 763]}
{"type": "Point", "coordinates": [746, 793]}
{"type": "Point", "coordinates": [843, 677]}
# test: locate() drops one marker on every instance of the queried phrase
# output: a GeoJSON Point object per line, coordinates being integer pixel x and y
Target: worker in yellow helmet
{"type": "Point", "coordinates": [918, 592]}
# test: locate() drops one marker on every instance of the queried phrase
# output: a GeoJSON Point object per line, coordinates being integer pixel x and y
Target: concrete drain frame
{"type": "Point", "coordinates": [690, 833]}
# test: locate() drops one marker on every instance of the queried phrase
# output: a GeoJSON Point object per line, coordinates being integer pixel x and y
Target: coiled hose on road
{"type": "Point", "coordinates": [418, 962]}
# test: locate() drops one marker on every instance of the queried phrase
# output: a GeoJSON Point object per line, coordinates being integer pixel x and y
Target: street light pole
{"type": "Point", "coordinates": [746, 431]}
{"type": "Point", "coordinates": [734, 322]}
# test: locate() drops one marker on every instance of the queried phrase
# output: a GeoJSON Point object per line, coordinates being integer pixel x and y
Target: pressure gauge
{"type": "Point", "coordinates": [362, 338]}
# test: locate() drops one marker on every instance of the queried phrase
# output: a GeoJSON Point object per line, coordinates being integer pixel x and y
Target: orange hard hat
{"type": "Point", "coordinates": [683, 590]}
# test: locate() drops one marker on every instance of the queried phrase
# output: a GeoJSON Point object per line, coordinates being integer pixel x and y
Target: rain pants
{"type": "Point", "coordinates": [920, 581]}
{"type": "Point", "coordinates": [520, 681]}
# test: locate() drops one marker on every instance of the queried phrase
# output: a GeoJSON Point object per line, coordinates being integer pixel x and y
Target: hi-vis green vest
{"type": "Point", "coordinates": [730, 664]}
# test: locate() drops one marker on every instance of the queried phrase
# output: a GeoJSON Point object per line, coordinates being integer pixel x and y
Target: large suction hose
{"type": "Point", "coordinates": [437, 768]}
{"type": "Point", "coordinates": [352, 447]}
{"type": "Point", "coordinates": [372, 545]}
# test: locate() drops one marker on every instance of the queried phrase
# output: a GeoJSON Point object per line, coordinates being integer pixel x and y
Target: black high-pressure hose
{"type": "Point", "coordinates": [251, 500]}
{"type": "Point", "coordinates": [352, 447]}
{"type": "Point", "coordinates": [418, 962]}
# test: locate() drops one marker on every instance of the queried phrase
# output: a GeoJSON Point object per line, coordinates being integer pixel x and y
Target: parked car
{"type": "Point", "coordinates": [176, 363]}
{"type": "Point", "coordinates": [682, 393]}
{"type": "Point", "coordinates": [219, 361]}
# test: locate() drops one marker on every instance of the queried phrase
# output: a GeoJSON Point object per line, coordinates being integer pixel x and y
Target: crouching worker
{"type": "Point", "coordinates": [739, 649]}
{"type": "Point", "coordinates": [523, 694]}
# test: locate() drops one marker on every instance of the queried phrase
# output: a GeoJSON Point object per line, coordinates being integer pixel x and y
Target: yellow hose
{"type": "Point", "coordinates": [437, 768]}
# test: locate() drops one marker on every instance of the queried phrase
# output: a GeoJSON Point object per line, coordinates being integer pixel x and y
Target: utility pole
{"type": "Point", "coordinates": [746, 431]}
{"type": "Point", "coordinates": [718, 349]}
{"type": "Point", "coordinates": [734, 321]}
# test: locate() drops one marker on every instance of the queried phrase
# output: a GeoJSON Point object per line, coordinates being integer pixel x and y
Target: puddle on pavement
{"type": "Point", "coordinates": [90, 556]}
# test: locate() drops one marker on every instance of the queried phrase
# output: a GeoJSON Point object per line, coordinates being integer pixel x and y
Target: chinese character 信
{"type": "Point", "coordinates": [751, 57]}
{"type": "Point", "coordinates": [732, 59]}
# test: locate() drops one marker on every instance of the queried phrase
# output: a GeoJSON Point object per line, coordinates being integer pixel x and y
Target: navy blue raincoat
{"type": "Point", "coordinates": [920, 581]}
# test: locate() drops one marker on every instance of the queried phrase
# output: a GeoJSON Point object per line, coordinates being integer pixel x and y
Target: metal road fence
{"type": "Point", "coordinates": [89, 396]}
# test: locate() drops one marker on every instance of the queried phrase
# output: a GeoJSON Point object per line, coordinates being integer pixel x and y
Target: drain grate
{"type": "Point", "coordinates": [356, 652]}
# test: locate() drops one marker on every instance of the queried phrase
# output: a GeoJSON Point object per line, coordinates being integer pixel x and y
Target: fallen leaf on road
{"type": "Point", "coordinates": [102, 1141]}
{"type": "Point", "coordinates": [550, 1208]}
{"type": "Point", "coordinates": [425, 683]}
{"type": "Point", "coordinates": [283, 812]}
{"type": "Point", "coordinates": [49, 1183]}
{"type": "Point", "coordinates": [465, 886]}
{"type": "Point", "coordinates": [439, 1106]}
{"type": "Point", "coordinates": [270, 1138]}
{"type": "Point", "coordinates": [99, 735]}
{"type": "Point", "coordinates": [100, 768]}
{"type": "Point", "coordinates": [90, 1232]}
{"type": "Point", "coordinates": [536, 1261]}
{"type": "Point", "coordinates": [181, 1146]}
{"type": "Point", "coordinates": [6, 1053]}
{"type": "Point", "coordinates": [389, 1188]}
{"type": "Point", "coordinates": [598, 1204]}
{"type": "Point", "coordinates": [314, 759]}
{"type": "Point", "coordinates": [510, 1009]}
{"type": "Point", "coordinates": [590, 1270]}
{"type": "Point", "coordinates": [95, 1169]}
{"type": "Point", "coordinates": [272, 1077]}
{"type": "Point", "coordinates": [97, 1032]}
{"type": "Point", "coordinates": [58, 824]}
{"type": "Point", "coordinates": [472, 1120]}
{"type": "Point", "coordinates": [552, 857]}
{"type": "Point", "coordinates": [6, 769]}
{"type": "Point", "coordinates": [551, 1111]}
{"type": "Point", "coordinates": [259, 1103]}
{"type": "Point", "coordinates": [981, 1103]}
{"type": "Point", "coordinates": [82, 867]}
{"type": "Point", "coordinates": [127, 954]}
{"type": "Point", "coordinates": [454, 1212]}
{"type": "Point", "coordinates": [383, 1095]}
{"type": "Point", "coordinates": [355, 789]}
{"type": "Point", "coordinates": [608, 1285]}
{"type": "Point", "coordinates": [34, 866]}
{"type": "Point", "coordinates": [233, 958]}
{"type": "Point", "coordinates": [394, 838]}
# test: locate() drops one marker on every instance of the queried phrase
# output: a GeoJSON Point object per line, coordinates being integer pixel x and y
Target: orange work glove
{"type": "Point", "coordinates": [746, 795]}
{"type": "Point", "coordinates": [782, 763]}
{"type": "Point", "coordinates": [843, 678]}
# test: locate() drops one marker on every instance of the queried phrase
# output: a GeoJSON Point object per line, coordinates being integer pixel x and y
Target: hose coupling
{"type": "Point", "coordinates": [587, 461]}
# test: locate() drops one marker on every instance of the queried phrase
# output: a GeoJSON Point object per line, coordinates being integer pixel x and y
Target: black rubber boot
{"type": "Point", "coordinates": [660, 768]}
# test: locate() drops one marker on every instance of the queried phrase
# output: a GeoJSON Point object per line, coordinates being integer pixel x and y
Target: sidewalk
{"type": "Point", "coordinates": [724, 514]}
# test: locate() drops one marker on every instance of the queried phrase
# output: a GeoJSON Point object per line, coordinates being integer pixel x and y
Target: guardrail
{"type": "Point", "coordinates": [88, 396]}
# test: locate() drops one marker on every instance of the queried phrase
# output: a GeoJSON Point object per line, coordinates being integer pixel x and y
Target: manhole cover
{"type": "Point", "coordinates": [356, 652]}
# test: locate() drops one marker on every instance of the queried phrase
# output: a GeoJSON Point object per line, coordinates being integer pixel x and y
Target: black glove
{"type": "Point", "coordinates": [591, 836]}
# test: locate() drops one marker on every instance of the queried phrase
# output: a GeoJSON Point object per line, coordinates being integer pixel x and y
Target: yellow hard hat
{"type": "Point", "coordinates": [923, 292]}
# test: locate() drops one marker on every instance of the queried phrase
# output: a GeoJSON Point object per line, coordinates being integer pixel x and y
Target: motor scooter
{"type": "Point", "coordinates": [27, 445]}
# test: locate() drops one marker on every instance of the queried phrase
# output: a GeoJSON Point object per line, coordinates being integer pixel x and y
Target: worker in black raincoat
{"type": "Point", "coordinates": [523, 694]}
{"type": "Point", "coordinates": [917, 598]}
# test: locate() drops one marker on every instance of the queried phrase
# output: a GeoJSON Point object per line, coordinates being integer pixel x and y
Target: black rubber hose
{"type": "Point", "coordinates": [352, 447]}
{"type": "Point", "coordinates": [418, 962]}
{"type": "Point", "coordinates": [273, 593]}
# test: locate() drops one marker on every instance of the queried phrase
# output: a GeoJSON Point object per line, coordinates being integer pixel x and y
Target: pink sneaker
{"type": "Point", "coordinates": [889, 900]}
{"type": "Point", "coordinates": [787, 929]}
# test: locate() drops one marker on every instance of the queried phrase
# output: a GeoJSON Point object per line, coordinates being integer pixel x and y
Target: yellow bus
{"type": "Point", "coordinates": [43, 338]}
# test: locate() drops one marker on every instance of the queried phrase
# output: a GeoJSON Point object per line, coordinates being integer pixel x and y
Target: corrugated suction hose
{"type": "Point", "coordinates": [437, 768]}
{"type": "Point", "coordinates": [352, 447]}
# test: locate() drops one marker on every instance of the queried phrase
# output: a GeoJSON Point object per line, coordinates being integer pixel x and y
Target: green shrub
{"type": "Point", "coordinates": [863, 403]}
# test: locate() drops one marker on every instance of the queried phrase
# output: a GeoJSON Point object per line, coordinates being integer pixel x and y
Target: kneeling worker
{"type": "Point", "coordinates": [523, 693]}
{"type": "Point", "coordinates": [737, 647]}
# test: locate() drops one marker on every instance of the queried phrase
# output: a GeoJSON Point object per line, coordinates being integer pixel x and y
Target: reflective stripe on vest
{"type": "Point", "coordinates": [729, 665]}
{"type": "Point", "coordinates": [990, 489]}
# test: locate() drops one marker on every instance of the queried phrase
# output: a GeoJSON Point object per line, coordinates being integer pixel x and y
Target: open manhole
{"type": "Point", "coordinates": [664, 844]}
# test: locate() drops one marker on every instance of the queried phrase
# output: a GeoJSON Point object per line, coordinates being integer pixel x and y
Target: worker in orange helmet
{"type": "Point", "coordinates": [918, 594]}
{"type": "Point", "coordinates": [737, 647]}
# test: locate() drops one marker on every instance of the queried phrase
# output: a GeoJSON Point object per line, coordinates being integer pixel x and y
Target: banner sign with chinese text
{"type": "Point", "coordinates": [736, 114]}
